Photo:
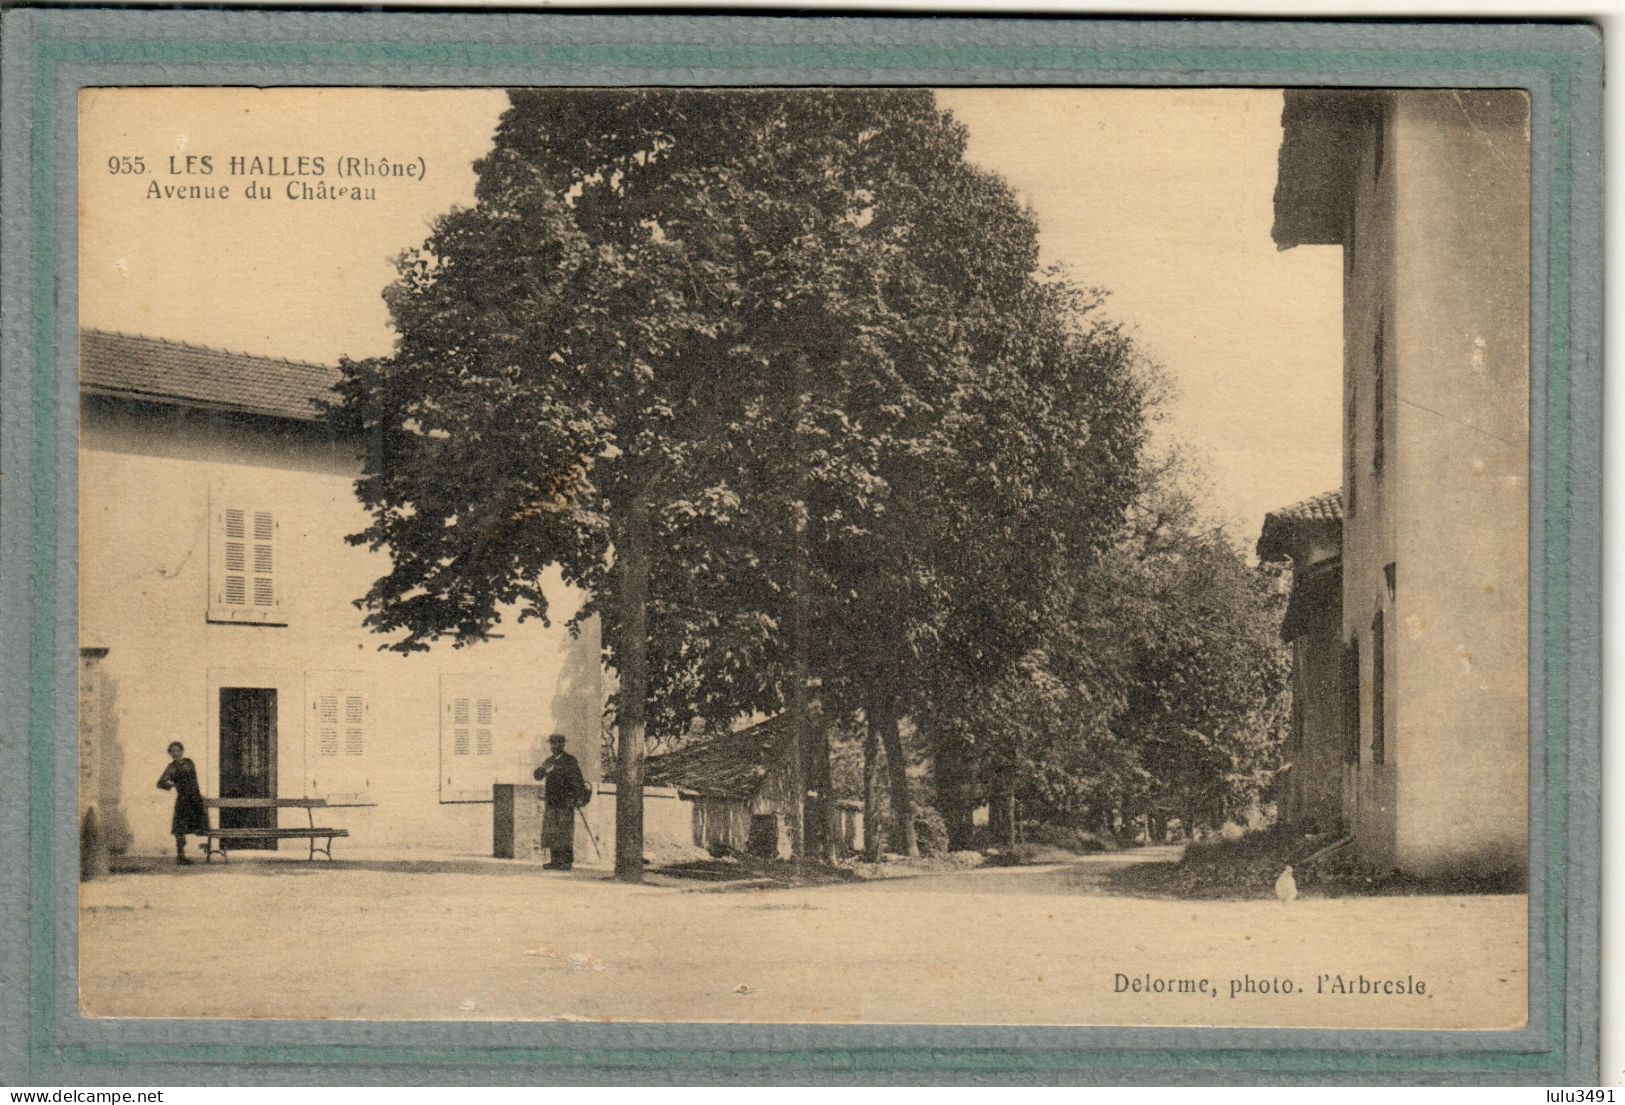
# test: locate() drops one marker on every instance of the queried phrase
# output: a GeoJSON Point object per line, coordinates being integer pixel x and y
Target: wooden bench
{"type": "Point", "coordinates": [312, 831]}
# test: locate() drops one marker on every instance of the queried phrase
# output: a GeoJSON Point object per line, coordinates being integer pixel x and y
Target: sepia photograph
{"type": "Point", "coordinates": [972, 556]}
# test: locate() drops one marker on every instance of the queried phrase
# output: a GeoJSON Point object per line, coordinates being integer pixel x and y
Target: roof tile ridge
{"type": "Point", "coordinates": [180, 343]}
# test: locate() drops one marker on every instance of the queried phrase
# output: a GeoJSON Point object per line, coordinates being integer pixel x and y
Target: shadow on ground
{"type": "Point", "coordinates": [1323, 866]}
{"type": "Point", "coordinates": [1085, 874]}
{"type": "Point", "coordinates": [272, 864]}
{"type": "Point", "coordinates": [746, 873]}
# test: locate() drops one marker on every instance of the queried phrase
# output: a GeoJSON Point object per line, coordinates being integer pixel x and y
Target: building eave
{"type": "Point", "coordinates": [1321, 131]}
{"type": "Point", "coordinates": [132, 395]}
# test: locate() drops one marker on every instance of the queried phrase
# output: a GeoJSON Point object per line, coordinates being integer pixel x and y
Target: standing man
{"type": "Point", "coordinates": [565, 791]}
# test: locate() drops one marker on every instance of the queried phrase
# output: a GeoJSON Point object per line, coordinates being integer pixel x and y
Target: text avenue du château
{"type": "Point", "coordinates": [264, 176]}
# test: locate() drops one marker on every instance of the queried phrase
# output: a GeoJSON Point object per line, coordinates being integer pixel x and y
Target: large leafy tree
{"type": "Point", "coordinates": [1207, 678]}
{"type": "Point", "coordinates": [571, 353]}
{"type": "Point", "coordinates": [1048, 464]}
{"type": "Point", "coordinates": [680, 347]}
{"type": "Point", "coordinates": [961, 436]}
{"type": "Point", "coordinates": [1157, 688]}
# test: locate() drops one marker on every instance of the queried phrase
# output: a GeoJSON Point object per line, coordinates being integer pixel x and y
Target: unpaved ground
{"type": "Point", "coordinates": [464, 938]}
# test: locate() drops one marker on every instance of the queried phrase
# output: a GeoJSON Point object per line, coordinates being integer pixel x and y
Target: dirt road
{"type": "Point", "coordinates": [483, 939]}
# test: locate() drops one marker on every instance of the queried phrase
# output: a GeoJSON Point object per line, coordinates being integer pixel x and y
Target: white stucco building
{"type": "Point", "coordinates": [217, 598]}
{"type": "Point", "coordinates": [1427, 193]}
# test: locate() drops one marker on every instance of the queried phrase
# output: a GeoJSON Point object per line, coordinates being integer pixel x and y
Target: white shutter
{"type": "Point", "coordinates": [327, 724]}
{"type": "Point", "coordinates": [264, 560]}
{"type": "Point", "coordinates": [485, 721]}
{"type": "Point", "coordinates": [236, 546]}
{"type": "Point", "coordinates": [246, 567]}
{"type": "Point", "coordinates": [355, 724]}
{"type": "Point", "coordinates": [459, 727]}
{"type": "Point", "coordinates": [474, 750]}
{"type": "Point", "coordinates": [337, 742]}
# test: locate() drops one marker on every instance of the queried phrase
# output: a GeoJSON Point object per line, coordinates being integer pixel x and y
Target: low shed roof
{"type": "Point", "coordinates": [731, 765]}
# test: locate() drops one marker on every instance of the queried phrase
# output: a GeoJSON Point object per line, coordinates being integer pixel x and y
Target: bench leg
{"type": "Point", "coordinates": [209, 850]}
{"type": "Point", "coordinates": [327, 851]}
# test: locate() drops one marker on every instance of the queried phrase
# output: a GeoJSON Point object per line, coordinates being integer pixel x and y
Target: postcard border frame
{"type": "Point", "coordinates": [50, 53]}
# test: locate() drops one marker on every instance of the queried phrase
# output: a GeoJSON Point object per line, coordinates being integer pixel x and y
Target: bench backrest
{"type": "Point", "coordinates": [264, 803]}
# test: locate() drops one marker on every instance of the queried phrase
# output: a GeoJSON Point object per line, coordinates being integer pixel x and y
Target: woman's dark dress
{"type": "Point", "coordinates": [191, 817]}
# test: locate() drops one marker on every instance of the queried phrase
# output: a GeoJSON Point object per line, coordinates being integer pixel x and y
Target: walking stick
{"type": "Point", "coordinates": [595, 849]}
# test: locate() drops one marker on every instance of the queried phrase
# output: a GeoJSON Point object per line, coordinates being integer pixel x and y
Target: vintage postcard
{"type": "Point", "coordinates": [606, 549]}
{"type": "Point", "coordinates": [959, 556]}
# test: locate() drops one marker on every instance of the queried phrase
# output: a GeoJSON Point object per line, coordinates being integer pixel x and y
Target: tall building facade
{"type": "Point", "coordinates": [1427, 193]}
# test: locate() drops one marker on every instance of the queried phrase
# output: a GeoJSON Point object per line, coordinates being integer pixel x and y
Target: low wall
{"type": "Point", "coordinates": [668, 826]}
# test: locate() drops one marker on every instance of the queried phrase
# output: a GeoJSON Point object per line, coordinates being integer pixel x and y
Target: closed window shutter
{"type": "Point", "coordinates": [355, 722]}
{"type": "Point", "coordinates": [246, 571]}
{"type": "Point", "coordinates": [484, 717]}
{"type": "Point", "coordinates": [327, 724]}
{"type": "Point", "coordinates": [236, 580]}
{"type": "Point", "coordinates": [1379, 364]}
{"type": "Point", "coordinates": [459, 727]}
{"type": "Point", "coordinates": [337, 740]}
{"type": "Point", "coordinates": [474, 755]}
{"type": "Point", "coordinates": [264, 541]}
{"type": "Point", "coordinates": [1351, 701]}
{"type": "Point", "coordinates": [1379, 707]}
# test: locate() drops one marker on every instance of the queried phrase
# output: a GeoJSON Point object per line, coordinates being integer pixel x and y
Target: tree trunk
{"type": "Point", "coordinates": [806, 804]}
{"type": "Point", "coordinates": [631, 653]}
{"type": "Point", "coordinates": [805, 837]}
{"type": "Point", "coordinates": [813, 755]}
{"type": "Point", "coordinates": [795, 810]}
{"type": "Point", "coordinates": [829, 842]}
{"type": "Point", "coordinates": [954, 798]}
{"type": "Point", "coordinates": [873, 722]}
{"type": "Point", "coordinates": [958, 816]}
{"type": "Point", "coordinates": [902, 808]}
{"type": "Point", "coordinates": [999, 827]}
{"type": "Point", "coordinates": [820, 827]}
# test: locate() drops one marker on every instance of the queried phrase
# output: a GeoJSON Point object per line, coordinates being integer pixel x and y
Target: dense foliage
{"type": "Point", "coordinates": [1158, 692]}
{"type": "Point", "coordinates": [775, 379]}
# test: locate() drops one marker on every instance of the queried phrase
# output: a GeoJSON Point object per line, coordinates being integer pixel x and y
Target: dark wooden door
{"type": "Point", "coordinates": [248, 757]}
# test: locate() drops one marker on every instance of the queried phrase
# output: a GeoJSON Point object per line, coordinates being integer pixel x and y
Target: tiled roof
{"type": "Point", "coordinates": [1281, 526]}
{"type": "Point", "coordinates": [729, 766]}
{"type": "Point", "coordinates": [132, 367]}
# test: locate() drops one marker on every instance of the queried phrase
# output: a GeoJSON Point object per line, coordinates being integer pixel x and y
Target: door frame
{"type": "Point", "coordinates": [290, 752]}
{"type": "Point", "coordinates": [268, 699]}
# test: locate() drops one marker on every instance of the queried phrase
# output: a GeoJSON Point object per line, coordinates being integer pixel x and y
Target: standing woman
{"type": "Point", "coordinates": [190, 814]}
